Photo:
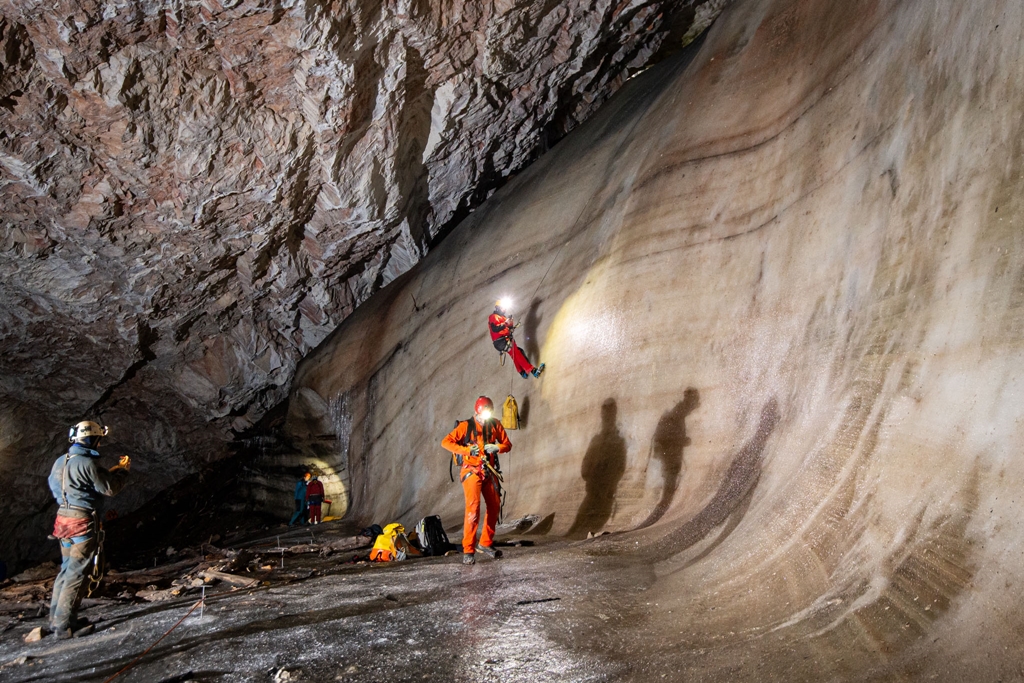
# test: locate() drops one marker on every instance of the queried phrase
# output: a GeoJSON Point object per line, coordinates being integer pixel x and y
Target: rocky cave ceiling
{"type": "Point", "coordinates": [195, 194]}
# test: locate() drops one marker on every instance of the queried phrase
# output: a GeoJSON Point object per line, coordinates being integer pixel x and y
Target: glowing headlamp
{"type": "Point", "coordinates": [505, 303]}
{"type": "Point", "coordinates": [485, 414]}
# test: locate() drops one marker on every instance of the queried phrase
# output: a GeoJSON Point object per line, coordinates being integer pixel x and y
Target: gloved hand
{"type": "Point", "coordinates": [125, 463]}
{"type": "Point", "coordinates": [474, 449]}
{"type": "Point", "coordinates": [491, 448]}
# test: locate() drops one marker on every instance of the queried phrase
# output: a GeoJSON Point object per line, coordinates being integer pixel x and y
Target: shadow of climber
{"type": "Point", "coordinates": [732, 495]}
{"type": "Point", "coordinates": [530, 324]}
{"type": "Point", "coordinates": [603, 467]}
{"type": "Point", "coordinates": [667, 446]}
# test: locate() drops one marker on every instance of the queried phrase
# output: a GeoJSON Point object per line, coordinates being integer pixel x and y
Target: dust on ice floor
{"type": "Point", "coordinates": [425, 619]}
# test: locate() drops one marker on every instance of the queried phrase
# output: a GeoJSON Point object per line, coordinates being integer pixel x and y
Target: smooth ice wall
{"type": "Point", "coordinates": [813, 225]}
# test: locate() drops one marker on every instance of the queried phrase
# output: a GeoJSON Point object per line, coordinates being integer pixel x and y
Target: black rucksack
{"type": "Point", "coordinates": [372, 532]}
{"type": "Point", "coordinates": [433, 540]}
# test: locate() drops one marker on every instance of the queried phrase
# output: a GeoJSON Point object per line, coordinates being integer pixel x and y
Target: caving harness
{"type": "Point", "coordinates": [99, 565]}
{"type": "Point", "coordinates": [503, 344]}
{"type": "Point", "coordinates": [482, 464]}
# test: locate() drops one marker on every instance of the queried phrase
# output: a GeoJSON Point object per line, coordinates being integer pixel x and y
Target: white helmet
{"type": "Point", "coordinates": [84, 429]}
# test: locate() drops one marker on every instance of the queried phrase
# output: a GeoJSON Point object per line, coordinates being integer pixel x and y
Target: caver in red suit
{"type": "Point", "coordinates": [314, 499]}
{"type": "Point", "coordinates": [501, 327]}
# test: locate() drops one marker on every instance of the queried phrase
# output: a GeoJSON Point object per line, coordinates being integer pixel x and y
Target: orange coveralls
{"type": "Point", "coordinates": [477, 479]}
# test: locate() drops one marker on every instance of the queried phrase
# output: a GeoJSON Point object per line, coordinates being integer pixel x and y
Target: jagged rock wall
{"type": "Point", "coordinates": [195, 194]}
{"type": "Point", "coordinates": [780, 294]}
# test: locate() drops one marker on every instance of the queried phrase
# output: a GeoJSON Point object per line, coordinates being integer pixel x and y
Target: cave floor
{"type": "Point", "coordinates": [427, 618]}
{"type": "Point", "coordinates": [556, 610]}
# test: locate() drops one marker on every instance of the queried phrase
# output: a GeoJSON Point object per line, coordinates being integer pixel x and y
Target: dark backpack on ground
{"type": "Point", "coordinates": [433, 540]}
{"type": "Point", "coordinates": [372, 532]}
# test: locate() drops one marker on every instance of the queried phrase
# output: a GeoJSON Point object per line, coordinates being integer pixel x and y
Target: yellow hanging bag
{"type": "Point", "coordinates": [510, 413]}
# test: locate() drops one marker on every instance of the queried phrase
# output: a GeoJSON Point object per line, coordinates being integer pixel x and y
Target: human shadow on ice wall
{"type": "Point", "coordinates": [667, 446]}
{"type": "Point", "coordinates": [524, 412]}
{"type": "Point", "coordinates": [739, 482]}
{"type": "Point", "coordinates": [604, 464]}
{"type": "Point", "coordinates": [530, 324]}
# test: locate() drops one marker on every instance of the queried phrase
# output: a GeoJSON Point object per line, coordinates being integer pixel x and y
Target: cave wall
{"type": "Point", "coordinates": [196, 194]}
{"type": "Point", "coordinates": [778, 290]}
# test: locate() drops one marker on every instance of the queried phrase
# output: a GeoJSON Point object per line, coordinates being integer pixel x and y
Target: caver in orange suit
{"type": "Point", "coordinates": [477, 471]}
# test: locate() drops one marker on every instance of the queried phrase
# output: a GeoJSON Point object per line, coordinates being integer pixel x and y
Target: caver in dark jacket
{"type": "Point", "coordinates": [78, 482]}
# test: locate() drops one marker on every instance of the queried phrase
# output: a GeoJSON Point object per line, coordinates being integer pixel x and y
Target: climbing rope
{"type": "Point", "coordinates": [167, 633]}
{"type": "Point", "coordinates": [625, 140]}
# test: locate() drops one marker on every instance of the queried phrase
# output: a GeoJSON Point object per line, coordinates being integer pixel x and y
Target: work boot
{"type": "Point", "coordinates": [61, 632]}
{"type": "Point", "coordinates": [524, 374]}
{"type": "Point", "coordinates": [537, 370]}
{"type": "Point", "coordinates": [468, 558]}
{"type": "Point", "coordinates": [490, 551]}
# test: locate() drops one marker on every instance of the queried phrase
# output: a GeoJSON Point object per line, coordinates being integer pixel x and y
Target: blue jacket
{"type": "Point", "coordinates": [300, 490]}
{"type": "Point", "coordinates": [84, 482]}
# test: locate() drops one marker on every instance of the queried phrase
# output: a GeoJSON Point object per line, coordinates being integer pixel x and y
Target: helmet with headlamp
{"type": "Point", "coordinates": [87, 433]}
{"type": "Point", "coordinates": [484, 408]}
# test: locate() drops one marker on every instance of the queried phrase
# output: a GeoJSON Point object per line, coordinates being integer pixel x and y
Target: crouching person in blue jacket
{"type": "Point", "coordinates": [78, 483]}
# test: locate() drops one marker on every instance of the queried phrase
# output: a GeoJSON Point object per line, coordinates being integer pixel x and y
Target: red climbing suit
{"type": "Point", "coordinates": [476, 477]}
{"type": "Point", "coordinates": [314, 498]}
{"type": "Point", "coordinates": [501, 336]}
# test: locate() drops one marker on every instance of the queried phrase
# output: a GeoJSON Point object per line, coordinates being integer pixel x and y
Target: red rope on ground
{"type": "Point", "coordinates": [136, 660]}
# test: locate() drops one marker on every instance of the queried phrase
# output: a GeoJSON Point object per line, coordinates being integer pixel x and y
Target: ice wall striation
{"type": "Point", "coordinates": [778, 289]}
{"type": "Point", "coordinates": [195, 193]}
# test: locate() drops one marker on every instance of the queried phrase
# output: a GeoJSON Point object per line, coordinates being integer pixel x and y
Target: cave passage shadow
{"type": "Point", "coordinates": [667, 446]}
{"type": "Point", "coordinates": [604, 465]}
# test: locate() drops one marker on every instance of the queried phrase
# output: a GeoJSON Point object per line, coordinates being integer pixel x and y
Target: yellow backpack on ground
{"type": "Point", "coordinates": [392, 545]}
{"type": "Point", "coordinates": [384, 549]}
{"type": "Point", "coordinates": [510, 413]}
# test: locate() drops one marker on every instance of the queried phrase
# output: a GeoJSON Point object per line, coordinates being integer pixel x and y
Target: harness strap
{"type": "Point", "coordinates": [74, 540]}
{"type": "Point", "coordinates": [471, 432]}
{"type": "Point", "coordinates": [99, 564]}
{"type": "Point", "coordinates": [64, 479]}
{"type": "Point", "coordinates": [487, 465]}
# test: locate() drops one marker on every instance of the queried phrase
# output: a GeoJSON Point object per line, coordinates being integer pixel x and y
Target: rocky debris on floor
{"type": "Point", "coordinates": [193, 569]}
{"type": "Point", "coordinates": [17, 661]}
{"type": "Point", "coordinates": [35, 635]}
{"type": "Point", "coordinates": [230, 569]}
{"type": "Point", "coordinates": [46, 570]}
{"type": "Point", "coordinates": [27, 594]}
{"type": "Point", "coordinates": [232, 579]}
